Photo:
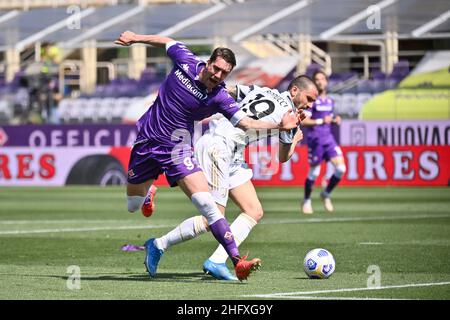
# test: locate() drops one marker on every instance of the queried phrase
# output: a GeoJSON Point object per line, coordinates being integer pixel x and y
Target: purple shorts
{"type": "Point", "coordinates": [148, 161]}
{"type": "Point", "coordinates": [322, 149]}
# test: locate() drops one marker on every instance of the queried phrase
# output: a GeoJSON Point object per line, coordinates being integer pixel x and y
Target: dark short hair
{"type": "Point", "coordinates": [302, 82]}
{"type": "Point", "coordinates": [225, 53]}
{"type": "Point", "coordinates": [319, 72]}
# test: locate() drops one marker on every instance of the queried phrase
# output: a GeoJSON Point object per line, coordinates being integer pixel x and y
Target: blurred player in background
{"type": "Point", "coordinates": [322, 145]}
{"type": "Point", "coordinates": [193, 90]}
{"type": "Point", "coordinates": [220, 153]}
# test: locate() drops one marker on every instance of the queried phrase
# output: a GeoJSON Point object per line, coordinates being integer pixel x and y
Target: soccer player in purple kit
{"type": "Point", "coordinates": [322, 145]}
{"type": "Point", "coordinates": [192, 91]}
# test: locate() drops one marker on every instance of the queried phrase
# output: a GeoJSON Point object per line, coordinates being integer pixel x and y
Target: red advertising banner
{"type": "Point", "coordinates": [366, 166]}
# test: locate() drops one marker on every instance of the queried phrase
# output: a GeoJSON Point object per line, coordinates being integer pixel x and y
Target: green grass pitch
{"type": "Point", "coordinates": [404, 232]}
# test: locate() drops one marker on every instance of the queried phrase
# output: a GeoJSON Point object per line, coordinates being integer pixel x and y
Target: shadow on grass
{"type": "Point", "coordinates": [303, 278]}
{"type": "Point", "coordinates": [193, 277]}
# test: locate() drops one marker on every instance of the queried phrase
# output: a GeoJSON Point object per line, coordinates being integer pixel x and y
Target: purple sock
{"type": "Point", "coordinates": [333, 183]}
{"type": "Point", "coordinates": [222, 232]}
{"type": "Point", "coordinates": [308, 188]}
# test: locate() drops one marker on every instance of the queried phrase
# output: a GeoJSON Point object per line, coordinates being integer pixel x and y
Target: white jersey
{"type": "Point", "coordinates": [220, 153]}
{"type": "Point", "coordinates": [259, 103]}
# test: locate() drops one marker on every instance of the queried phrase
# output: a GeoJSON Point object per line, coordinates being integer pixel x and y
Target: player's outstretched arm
{"type": "Point", "coordinates": [317, 122]}
{"type": "Point", "coordinates": [286, 150]}
{"type": "Point", "coordinates": [127, 38]}
{"type": "Point", "coordinates": [290, 121]}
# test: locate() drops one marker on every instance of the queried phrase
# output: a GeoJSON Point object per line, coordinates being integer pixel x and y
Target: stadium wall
{"type": "Point", "coordinates": [98, 155]}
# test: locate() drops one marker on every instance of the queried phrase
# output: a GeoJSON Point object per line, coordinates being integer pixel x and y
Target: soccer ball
{"type": "Point", "coordinates": [319, 264]}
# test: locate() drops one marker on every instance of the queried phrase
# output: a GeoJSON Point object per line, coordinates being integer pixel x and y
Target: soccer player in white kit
{"type": "Point", "coordinates": [220, 154]}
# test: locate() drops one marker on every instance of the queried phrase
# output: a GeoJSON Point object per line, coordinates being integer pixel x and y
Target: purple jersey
{"type": "Point", "coordinates": [182, 100]}
{"type": "Point", "coordinates": [321, 108]}
{"type": "Point", "coordinates": [321, 142]}
{"type": "Point", "coordinates": [164, 142]}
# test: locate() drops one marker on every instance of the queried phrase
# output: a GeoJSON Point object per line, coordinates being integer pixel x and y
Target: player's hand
{"type": "Point", "coordinates": [289, 121]}
{"type": "Point", "coordinates": [126, 38]}
{"type": "Point", "coordinates": [328, 119]}
{"type": "Point", "coordinates": [337, 120]}
{"type": "Point", "coordinates": [301, 115]}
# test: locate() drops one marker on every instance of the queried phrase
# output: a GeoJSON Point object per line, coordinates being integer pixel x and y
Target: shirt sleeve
{"type": "Point", "coordinates": [180, 54]}
{"type": "Point", "coordinates": [230, 109]}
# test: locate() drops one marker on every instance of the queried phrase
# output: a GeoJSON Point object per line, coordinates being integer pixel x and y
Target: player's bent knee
{"type": "Point", "coordinates": [256, 213]}
{"type": "Point", "coordinates": [205, 203]}
{"type": "Point", "coordinates": [134, 203]}
{"type": "Point", "coordinates": [314, 172]}
{"type": "Point", "coordinates": [340, 170]}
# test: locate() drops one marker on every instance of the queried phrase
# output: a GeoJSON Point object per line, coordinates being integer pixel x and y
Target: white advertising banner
{"type": "Point", "coordinates": [48, 166]}
{"type": "Point", "coordinates": [395, 133]}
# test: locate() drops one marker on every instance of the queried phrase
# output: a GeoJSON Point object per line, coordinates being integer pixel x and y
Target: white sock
{"type": "Point", "coordinates": [240, 228]}
{"type": "Point", "coordinates": [205, 204]}
{"type": "Point", "coordinates": [134, 203]}
{"type": "Point", "coordinates": [188, 229]}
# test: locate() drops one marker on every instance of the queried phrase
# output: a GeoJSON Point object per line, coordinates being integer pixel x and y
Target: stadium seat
{"type": "Point", "coordinates": [349, 104]}
{"type": "Point", "coordinates": [363, 86]}
{"type": "Point", "coordinates": [337, 103]}
{"type": "Point", "coordinates": [361, 98]}
{"type": "Point", "coordinates": [119, 108]}
{"type": "Point", "coordinates": [378, 75]}
{"type": "Point", "coordinates": [76, 112]}
{"type": "Point", "coordinates": [90, 112]}
{"type": "Point", "coordinates": [5, 111]}
{"type": "Point", "coordinates": [378, 85]}
{"type": "Point", "coordinates": [312, 68]}
{"type": "Point", "coordinates": [400, 69]}
{"type": "Point", "coordinates": [105, 110]}
{"type": "Point", "coordinates": [64, 108]}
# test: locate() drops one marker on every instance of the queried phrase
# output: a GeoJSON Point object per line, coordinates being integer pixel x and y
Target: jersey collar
{"type": "Point", "coordinates": [287, 96]}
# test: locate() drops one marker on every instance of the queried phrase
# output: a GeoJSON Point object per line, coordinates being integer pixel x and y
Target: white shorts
{"type": "Point", "coordinates": [224, 168]}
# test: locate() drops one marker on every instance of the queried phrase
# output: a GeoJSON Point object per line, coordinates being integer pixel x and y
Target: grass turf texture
{"type": "Point", "coordinates": [403, 231]}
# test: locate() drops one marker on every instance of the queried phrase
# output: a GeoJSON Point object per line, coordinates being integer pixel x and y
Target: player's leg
{"type": "Point", "coordinates": [142, 171]}
{"type": "Point", "coordinates": [328, 174]}
{"type": "Point", "coordinates": [334, 153]}
{"type": "Point", "coordinates": [213, 158]}
{"type": "Point", "coordinates": [245, 197]}
{"type": "Point", "coordinates": [195, 186]}
{"type": "Point", "coordinates": [182, 169]}
{"type": "Point", "coordinates": [315, 154]}
{"type": "Point", "coordinates": [136, 194]}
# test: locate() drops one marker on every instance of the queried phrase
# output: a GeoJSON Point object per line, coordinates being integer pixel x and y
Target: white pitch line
{"type": "Point", "coordinates": [267, 221]}
{"type": "Point", "coordinates": [371, 243]}
{"type": "Point", "coordinates": [82, 229]}
{"type": "Point", "coordinates": [350, 219]}
{"type": "Point", "coordinates": [305, 293]}
{"type": "Point", "coordinates": [285, 221]}
{"type": "Point", "coordinates": [62, 221]}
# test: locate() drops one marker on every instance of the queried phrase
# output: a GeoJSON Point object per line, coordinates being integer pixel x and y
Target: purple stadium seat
{"type": "Point", "coordinates": [313, 67]}
{"type": "Point", "coordinates": [363, 86]}
{"type": "Point", "coordinates": [378, 85]}
{"type": "Point", "coordinates": [378, 75]}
